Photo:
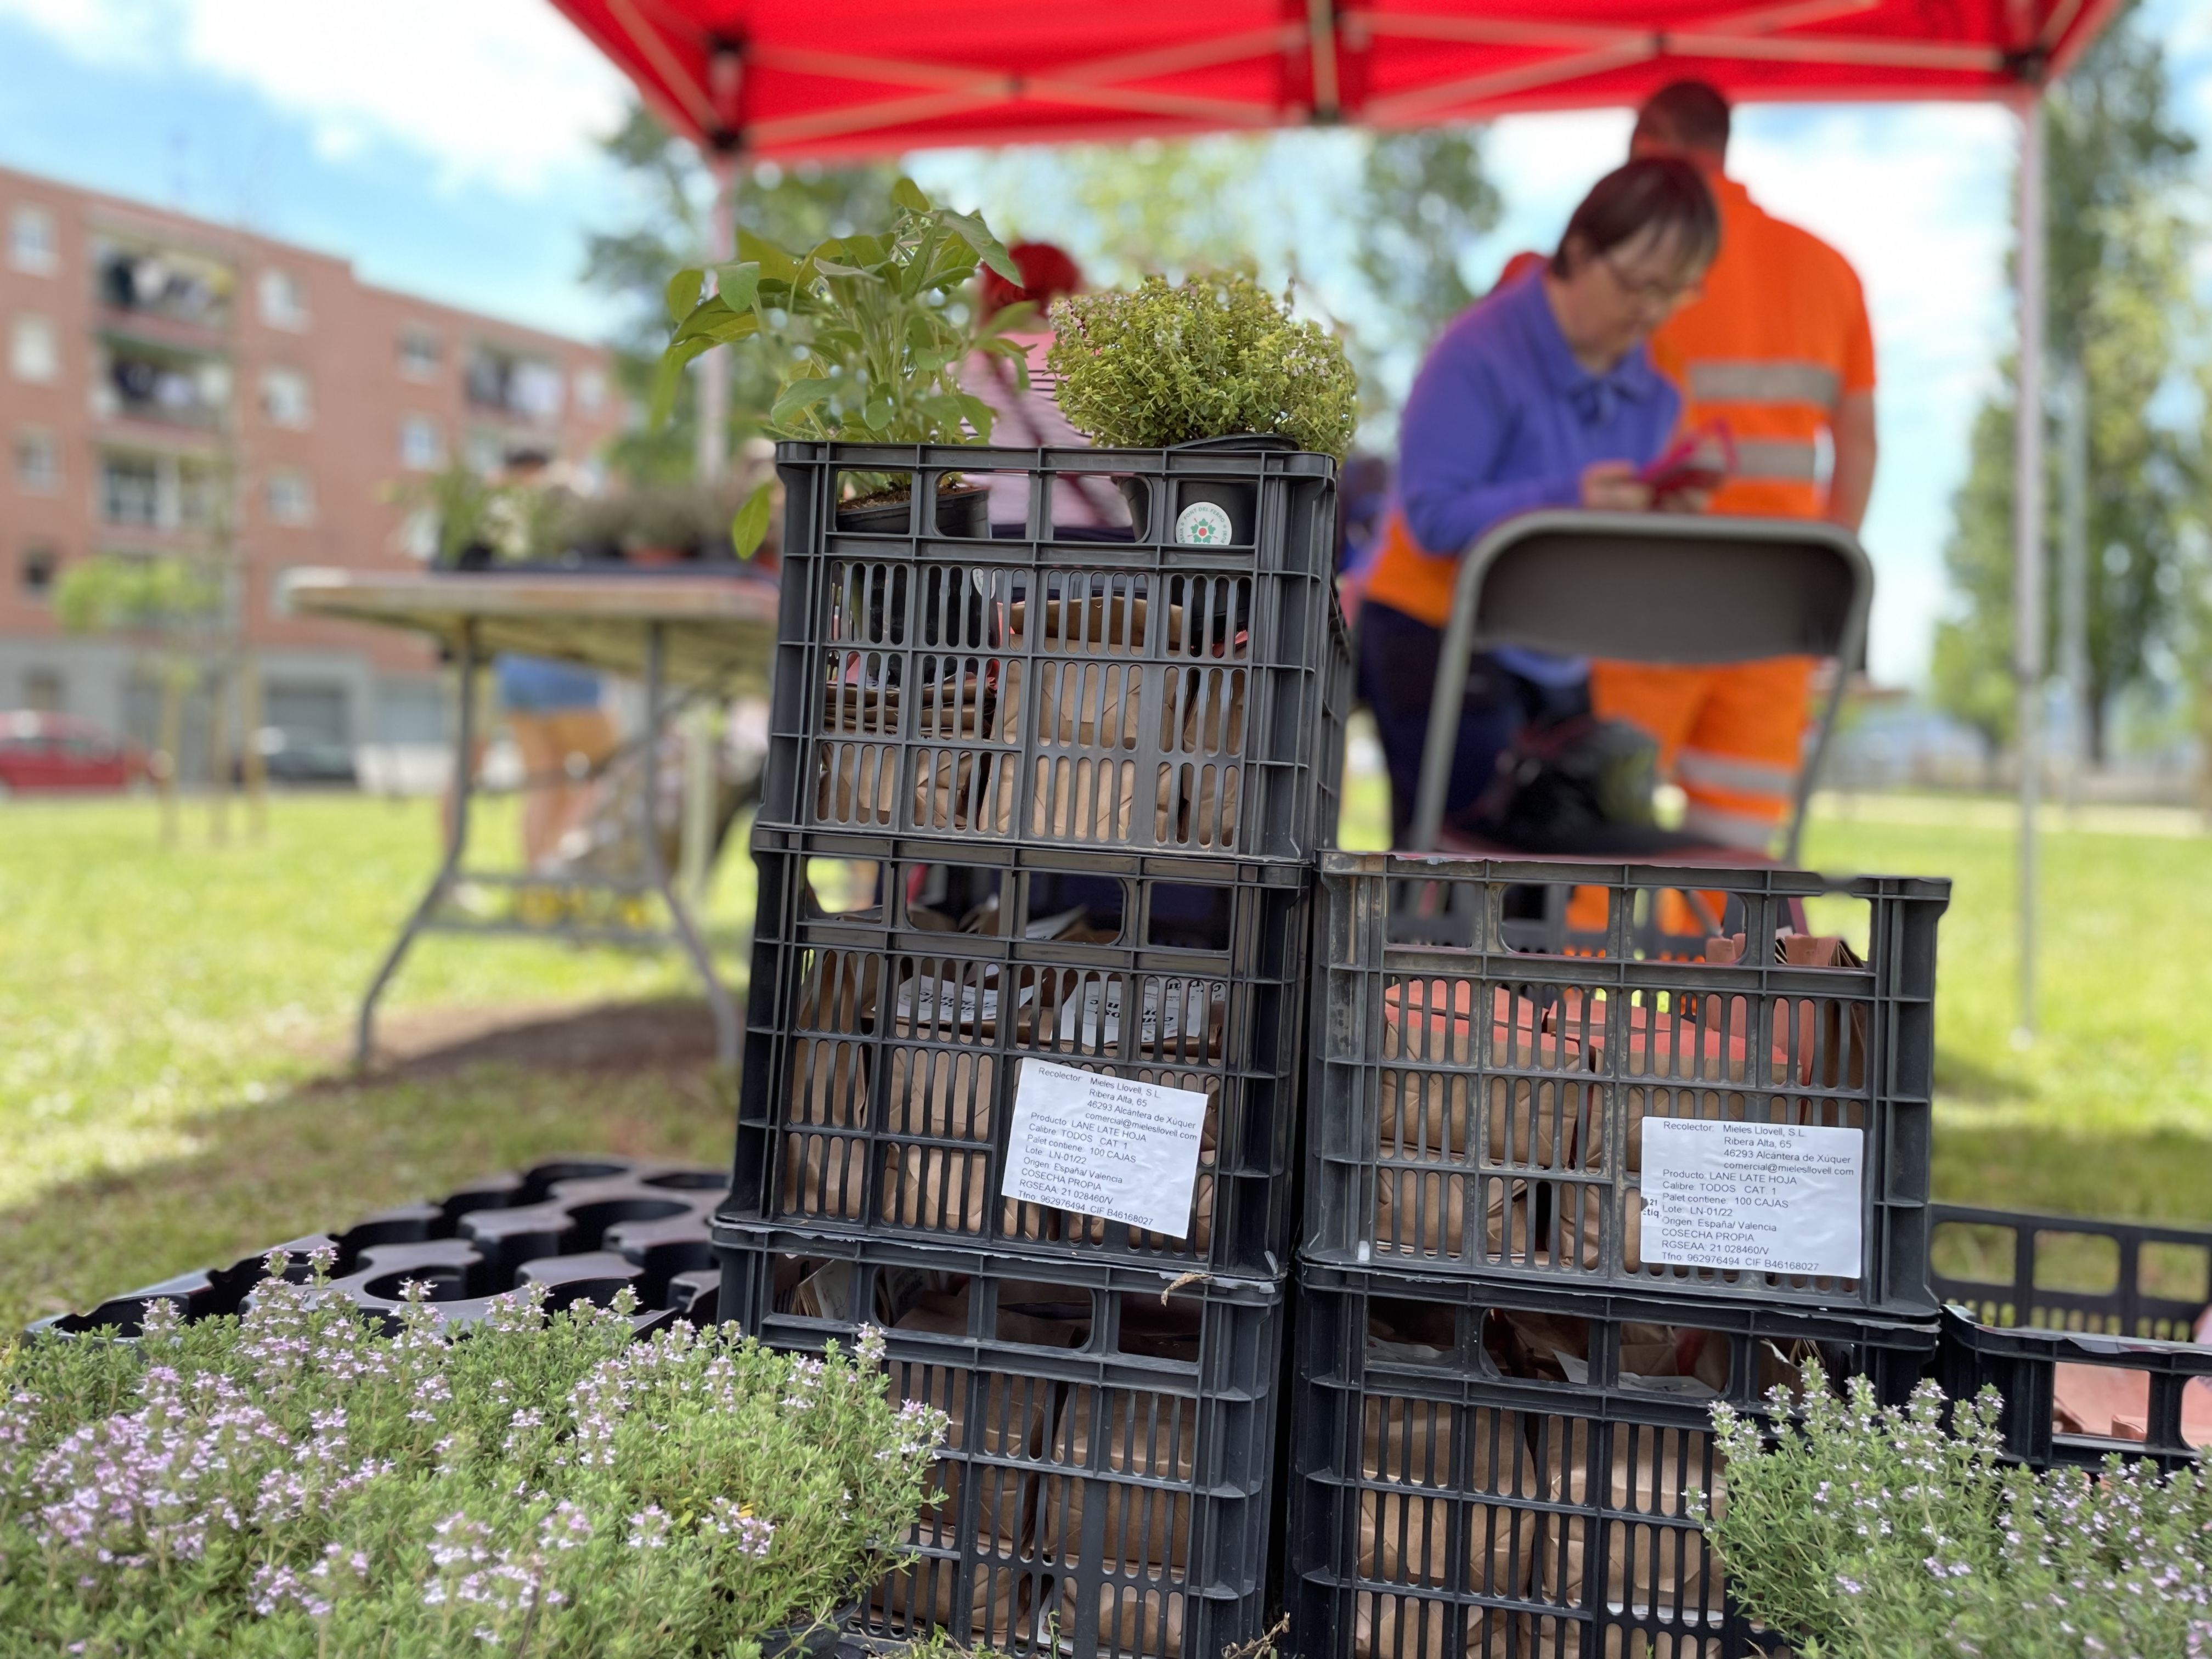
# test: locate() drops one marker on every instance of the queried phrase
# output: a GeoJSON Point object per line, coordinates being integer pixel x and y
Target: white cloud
{"type": "Point", "coordinates": [500, 91]}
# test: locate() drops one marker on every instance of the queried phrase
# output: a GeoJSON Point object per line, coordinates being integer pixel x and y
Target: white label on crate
{"type": "Point", "coordinates": [1104, 1145]}
{"type": "Point", "coordinates": [1766, 1198]}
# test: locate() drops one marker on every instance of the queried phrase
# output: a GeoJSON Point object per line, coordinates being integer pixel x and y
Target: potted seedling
{"type": "Point", "coordinates": [867, 334]}
{"type": "Point", "coordinates": [1212, 362]}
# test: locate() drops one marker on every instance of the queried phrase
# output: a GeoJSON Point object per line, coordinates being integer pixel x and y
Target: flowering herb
{"type": "Point", "coordinates": [1207, 358]}
{"type": "Point", "coordinates": [300, 1481]}
{"type": "Point", "coordinates": [1866, 1532]}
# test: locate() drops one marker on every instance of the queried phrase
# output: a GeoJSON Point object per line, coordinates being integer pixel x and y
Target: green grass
{"type": "Point", "coordinates": [167, 1012]}
{"type": "Point", "coordinates": [173, 1021]}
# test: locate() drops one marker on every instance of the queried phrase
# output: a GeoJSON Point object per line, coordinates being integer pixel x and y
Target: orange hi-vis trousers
{"type": "Point", "coordinates": [1731, 737]}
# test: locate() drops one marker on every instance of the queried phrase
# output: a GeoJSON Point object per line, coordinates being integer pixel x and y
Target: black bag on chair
{"type": "Point", "coordinates": [1578, 786]}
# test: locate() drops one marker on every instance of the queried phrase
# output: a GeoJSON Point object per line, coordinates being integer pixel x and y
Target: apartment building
{"type": "Point", "coordinates": [167, 382]}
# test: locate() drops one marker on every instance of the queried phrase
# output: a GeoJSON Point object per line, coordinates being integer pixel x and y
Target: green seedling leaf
{"type": "Point", "coordinates": [832, 267]}
{"type": "Point", "coordinates": [981, 415]}
{"type": "Point", "coordinates": [799, 396]}
{"type": "Point", "coordinates": [774, 261]}
{"type": "Point", "coordinates": [751, 524]}
{"type": "Point", "coordinates": [988, 248]}
{"type": "Point", "coordinates": [877, 414]}
{"type": "Point", "coordinates": [907, 194]}
{"type": "Point", "coordinates": [670, 375]}
{"type": "Point", "coordinates": [738, 282]}
{"type": "Point", "coordinates": [683, 292]}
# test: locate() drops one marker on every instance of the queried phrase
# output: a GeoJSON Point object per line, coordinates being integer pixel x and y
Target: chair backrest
{"type": "Point", "coordinates": [1651, 587]}
{"type": "Point", "coordinates": [1671, 587]}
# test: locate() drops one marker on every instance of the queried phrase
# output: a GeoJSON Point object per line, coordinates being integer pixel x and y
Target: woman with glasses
{"type": "Point", "coordinates": [1542, 395]}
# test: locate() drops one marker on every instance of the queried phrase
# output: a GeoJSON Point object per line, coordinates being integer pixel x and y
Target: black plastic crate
{"type": "Point", "coordinates": [884, 1048]}
{"type": "Point", "coordinates": [1480, 1081]}
{"type": "Point", "coordinates": [2087, 1328]}
{"type": "Point", "coordinates": [2131, 1279]}
{"type": "Point", "coordinates": [1466, 1455]}
{"type": "Point", "coordinates": [583, 1227]}
{"type": "Point", "coordinates": [932, 678]}
{"type": "Point", "coordinates": [1152, 1536]}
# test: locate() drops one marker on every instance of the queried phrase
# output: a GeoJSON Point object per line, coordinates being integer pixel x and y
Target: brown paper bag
{"type": "Point", "coordinates": [1134, 1620]}
{"type": "Point", "coordinates": [1430, 1114]}
{"type": "Point", "coordinates": [1666, 1570]}
{"type": "Point", "coordinates": [1208, 779]}
{"type": "Point", "coordinates": [1142, 1526]}
{"type": "Point", "coordinates": [1403, 1534]}
{"type": "Point", "coordinates": [1015, 1413]}
{"type": "Point", "coordinates": [1419, 1210]}
{"type": "Point", "coordinates": [826, 1174]}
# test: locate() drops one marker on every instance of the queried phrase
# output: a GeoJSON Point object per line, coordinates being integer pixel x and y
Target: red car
{"type": "Point", "coordinates": [40, 752]}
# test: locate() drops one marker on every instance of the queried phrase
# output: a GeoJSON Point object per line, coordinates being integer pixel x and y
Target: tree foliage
{"type": "Point", "coordinates": [2121, 305]}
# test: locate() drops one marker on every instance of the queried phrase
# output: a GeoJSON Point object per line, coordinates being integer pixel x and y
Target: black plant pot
{"type": "Point", "coordinates": [807, 1641]}
{"type": "Point", "coordinates": [964, 511]}
{"type": "Point", "coordinates": [1208, 512]}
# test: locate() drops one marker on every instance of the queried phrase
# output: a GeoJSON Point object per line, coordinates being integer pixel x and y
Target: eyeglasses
{"type": "Point", "coordinates": [1656, 293]}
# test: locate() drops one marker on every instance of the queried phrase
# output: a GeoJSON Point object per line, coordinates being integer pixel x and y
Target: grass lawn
{"type": "Point", "coordinates": [172, 1088]}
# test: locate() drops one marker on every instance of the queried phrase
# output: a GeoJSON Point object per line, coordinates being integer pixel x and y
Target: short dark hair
{"type": "Point", "coordinates": [1685, 115]}
{"type": "Point", "coordinates": [1661, 193]}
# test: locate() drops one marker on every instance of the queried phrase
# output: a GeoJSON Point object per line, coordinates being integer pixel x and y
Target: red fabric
{"type": "Point", "coordinates": [872, 77]}
{"type": "Point", "coordinates": [1047, 273]}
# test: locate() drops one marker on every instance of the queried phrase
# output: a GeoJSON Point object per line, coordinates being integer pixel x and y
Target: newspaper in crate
{"type": "Point", "coordinates": [945, 1002]}
{"type": "Point", "coordinates": [1766, 1198]}
{"type": "Point", "coordinates": [1105, 1146]}
{"type": "Point", "coordinates": [1167, 1010]}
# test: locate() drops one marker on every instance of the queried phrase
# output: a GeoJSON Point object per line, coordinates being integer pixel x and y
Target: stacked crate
{"type": "Point", "coordinates": [1501, 1424]}
{"type": "Point", "coordinates": [1041, 800]}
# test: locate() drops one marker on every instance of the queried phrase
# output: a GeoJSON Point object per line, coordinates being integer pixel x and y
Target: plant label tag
{"type": "Point", "coordinates": [1202, 524]}
{"type": "Point", "coordinates": [1104, 1145]}
{"type": "Point", "coordinates": [1763, 1198]}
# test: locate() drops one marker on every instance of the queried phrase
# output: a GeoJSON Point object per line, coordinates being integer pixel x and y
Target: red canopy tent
{"type": "Point", "coordinates": [869, 77]}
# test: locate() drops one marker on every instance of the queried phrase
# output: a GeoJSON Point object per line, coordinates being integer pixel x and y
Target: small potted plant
{"type": "Point", "coordinates": [867, 334]}
{"type": "Point", "coordinates": [1214, 362]}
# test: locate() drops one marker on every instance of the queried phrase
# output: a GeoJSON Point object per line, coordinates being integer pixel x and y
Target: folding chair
{"type": "Point", "coordinates": [1651, 588]}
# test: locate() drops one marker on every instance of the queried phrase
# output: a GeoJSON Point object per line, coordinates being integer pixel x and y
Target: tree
{"type": "Point", "coordinates": [797, 206]}
{"type": "Point", "coordinates": [2121, 305]}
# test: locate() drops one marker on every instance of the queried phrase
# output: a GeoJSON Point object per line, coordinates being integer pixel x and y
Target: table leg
{"type": "Point", "coordinates": [656, 867]}
{"type": "Point", "coordinates": [457, 840]}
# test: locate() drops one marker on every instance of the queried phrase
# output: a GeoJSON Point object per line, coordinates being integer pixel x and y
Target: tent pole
{"type": "Point", "coordinates": [715, 366]}
{"type": "Point", "coordinates": [2074, 574]}
{"type": "Point", "coordinates": [2027, 535]}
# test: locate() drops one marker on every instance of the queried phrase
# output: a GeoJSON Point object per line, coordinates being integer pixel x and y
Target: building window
{"type": "Point", "coordinates": [130, 490]}
{"type": "Point", "coordinates": [487, 455]}
{"type": "Point", "coordinates": [421, 445]}
{"type": "Point", "coordinates": [291, 498]}
{"type": "Point", "coordinates": [33, 353]}
{"type": "Point", "coordinates": [285, 398]}
{"type": "Point", "coordinates": [591, 391]}
{"type": "Point", "coordinates": [32, 243]}
{"type": "Point", "coordinates": [418, 535]}
{"type": "Point", "coordinates": [39, 565]}
{"type": "Point", "coordinates": [420, 354]}
{"type": "Point", "coordinates": [38, 460]}
{"type": "Point", "coordinates": [283, 301]}
{"type": "Point", "coordinates": [512, 384]}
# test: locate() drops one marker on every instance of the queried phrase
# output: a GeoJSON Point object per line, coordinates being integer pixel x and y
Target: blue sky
{"type": "Point", "coordinates": [445, 148]}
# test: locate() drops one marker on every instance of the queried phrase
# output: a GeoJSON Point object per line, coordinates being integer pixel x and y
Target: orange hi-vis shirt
{"type": "Point", "coordinates": [1777, 340]}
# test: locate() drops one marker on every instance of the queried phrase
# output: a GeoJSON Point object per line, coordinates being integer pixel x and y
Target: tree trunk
{"type": "Point", "coordinates": [256, 765]}
{"type": "Point", "coordinates": [171, 745]}
{"type": "Point", "coordinates": [219, 757]}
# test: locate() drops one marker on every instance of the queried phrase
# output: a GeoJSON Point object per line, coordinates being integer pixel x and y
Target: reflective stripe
{"type": "Point", "coordinates": [1744, 830]}
{"type": "Point", "coordinates": [1727, 772]}
{"type": "Point", "coordinates": [1788, 460]}
{"type": "Point", "coordinates": [1756, 380]}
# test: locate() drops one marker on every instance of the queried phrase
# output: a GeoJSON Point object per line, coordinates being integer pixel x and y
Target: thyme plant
{"type": "Point", "coordinates": [1208, 357]}
{"type": "Point", "coordinates": [1866, 1532]}
{"type": "Point", "coordinates": [299, 1482]}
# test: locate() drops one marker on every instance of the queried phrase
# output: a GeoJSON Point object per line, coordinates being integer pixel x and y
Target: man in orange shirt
{"type": "Point", "coordinates": [1776, 348]}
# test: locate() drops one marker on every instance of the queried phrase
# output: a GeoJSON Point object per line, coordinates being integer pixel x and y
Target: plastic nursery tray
{"type": "Point", "coordinates": [1106, 1485]}
{"type": "Point", "coordinates": [585, 1228]}
{"type": "Point", "coordinates": [1441, 1503]}
{"type": "Point", "coordinates": [1479, 1089]}
{"type": "Point", "coordinates": [2087, 1329]}
{"type": "Point", "coordinates": [897, 996]}
{"type": "Point", "coordinates": [1144, 694]}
